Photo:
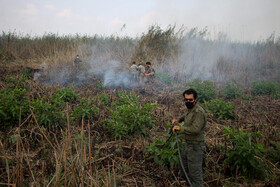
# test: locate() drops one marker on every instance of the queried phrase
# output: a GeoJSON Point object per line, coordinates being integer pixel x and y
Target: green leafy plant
{"type": "Point", "coordinates": [246, 155]}
{"type": "Point", "coordinates": [164, 77]}
{"type": "Point", "coordinates": [273, 152]}
{"type": "Point", "coordinates": [125, 97]}
{"type": "Point", "coordinates": [104, 99]}
{"type": "Point", "coordinates": [85, 110]}
{"type": "Point", "coordinates": [128, 117]}
{"type": "Point", "coordinates": [164, 153]}
{"type": "Point", "coordinates": [206, 89]}
{"type": "Point", "coordinates": [13, 105]}
{"type": "Point", "coordinates": [247, 97]}
{"type": "Point", "coordinates": [65, 94]}
{"type": "Point", "coordinates": [264, 87]}
{"type": "Point", "coordinates": [220, 109]}
{"type": "Point", "coordinates": [48, 114]}
{"type": "Point", "coordinates": [231, 91]}
{"type": "Point", "coordinates": [98, 85]}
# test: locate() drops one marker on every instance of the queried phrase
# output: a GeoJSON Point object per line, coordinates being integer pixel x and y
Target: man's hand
{"type": "Point", "coordinates": [174, 122]}
{"type": "Point", "coordinates": [176, 128]}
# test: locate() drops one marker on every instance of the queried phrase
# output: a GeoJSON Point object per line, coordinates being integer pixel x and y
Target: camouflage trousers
{"type": "Point", "coordinates": [192, 156]}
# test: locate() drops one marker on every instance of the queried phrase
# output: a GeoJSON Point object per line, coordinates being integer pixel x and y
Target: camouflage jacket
{"type": "Point", "coordinates": [194, 124]}
{"type": "Point", "coordinates": [150, 70]}
{"type": "Point", "coordinates": [77, 61]}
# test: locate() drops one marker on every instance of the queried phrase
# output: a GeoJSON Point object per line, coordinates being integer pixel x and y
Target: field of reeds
{"type": "Point", "coordinates": [82, 132]}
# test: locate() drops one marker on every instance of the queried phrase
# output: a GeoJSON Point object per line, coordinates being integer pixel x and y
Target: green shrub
{"type": "Point", "coordinates": [48, 114]}
{"type": "Point", "coordinates": [86, 110]}
{"type": "Point", "coordinates": [231, 91]}
{"type": "Point", "coordinates": [98, 85]}
{"type": "Point", "coordinates": [12, 103]}
{"type": "Point", "coordinates": [26, 73]}
{"type": "Point", "coordinates": [165, 155]}
{"type": "Point", "coordinates": [264, 87]}
{"type": "Point", "coordinates": [273, 152]}
{"type": "Point", "coordinates": [65, 95]}
{"type": "Point", "coordinates": [104, 99]}
{"type": "Point", "coordinates": [220, 109]}
{"type": "Point", "coordinates": [128, 117]}
{"type": "Point", "coordinates": [205, 89]}
{"type": "Point", "coordinates": [125, 97]}
{"type": "Point", "coordinates": [164, 77]}
{"type": "Point", "coordinates": [246, 155]}
{"type": "Point", "coordinates": [247, 97]}
{"type": "Point", "coordinates": [276, 95]}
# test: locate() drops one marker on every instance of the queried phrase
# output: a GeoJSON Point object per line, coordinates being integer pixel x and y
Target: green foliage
{"type": "Point", "coordinates": [273, 152]}
{"type": "Point", "coordinates": [247, 97]}
{"type": "Point", "coordinates": [205, 89]}
{"type": "Point", "coordinates": [98, 85]}
{"type": "Point", "coordinates": [12, 104]}
{"type": "Point", "coordinates": [128, 117]}
{"type": "Point", "coordinates": [86, 110]}
{"type": "Point", "coordinates": [104, 99]}
{"type": "Point", "coordinates": [264, 87]}
{"type": "Point", "coordinates": [231, 91]}
{"type": "Point", "coordinates": [220, 109]}
{"type": "Point", "coordinates": [48, 114]}
{"type": "Point", "coordinates": [163, 154]}
{"type": "Point", "coordinates": [125, 97]}
{"type": "Point", "coordinates": [164, 77]}
{"type": "Point", "coordinates": [246, 155]}
{"type": "Point", "coordinates": [65, 95]}
{"type": "Point", "coordinates": [276, 95]}
{"type": "Point", "coordinates": [26, 74]}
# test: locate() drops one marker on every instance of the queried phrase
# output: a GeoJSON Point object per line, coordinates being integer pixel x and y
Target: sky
{"type": "Point", "coordinates": [240, 20]}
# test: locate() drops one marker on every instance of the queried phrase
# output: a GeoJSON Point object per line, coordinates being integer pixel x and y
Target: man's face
{"type": "Point", "coordinates": [148, 65]}
{"type": "Point", "coordinates": [190, 98]}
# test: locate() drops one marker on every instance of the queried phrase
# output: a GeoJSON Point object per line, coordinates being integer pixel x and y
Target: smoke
{"type": "Point", "coordinates": [113, 73]}
{"type": "Point", "coordinates": [219, 60]}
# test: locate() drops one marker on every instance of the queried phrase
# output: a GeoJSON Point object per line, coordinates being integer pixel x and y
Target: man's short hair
{"type": "Point", "coordinates": [133, 62]}
{"type": "Point", "coordinates": [148, 63]}
{"type": "Point", "coordinates": [189, 92]}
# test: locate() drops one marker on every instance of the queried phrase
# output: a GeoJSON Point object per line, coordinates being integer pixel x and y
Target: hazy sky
{"type": "Point", "coordinates": [243, 20]}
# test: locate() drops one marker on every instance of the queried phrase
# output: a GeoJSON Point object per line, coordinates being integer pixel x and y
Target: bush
{"type": "Point", "coordinates": [12, 103]}
{"type": "Point", "coordinates": [98, 85]}
{"type": "Point", "coordinates": [48, 114]}
{"type": "Point", "coordinates": [220, 109]}
{"type": "Point", "coordinates": [264, 87]}
{"type": "Point", "coordinates": [206, 89]}
{"type": "Point", "coordinates": [65, 95]}
{"type": "Point", "coordinates": [86, 110]}
{"type": "Point", "coordinates": [247, 97]}
{"type": "Point", "coordinates": [246, 156]}
{"type": "Point", "coordinates": [165, 155]}
{"type": "Point", "coordinates": [104, 99]}
{"type": "Point", "coordinates": [164, 77]}
{"type": "Point", "coordinates": [231, 91]}
{"type": "Point", "coordinates": [124, 98]}
{"type": "Point", "coordinates": [273, 152]}
{"type": "Point", "coordinates": [128, 117]}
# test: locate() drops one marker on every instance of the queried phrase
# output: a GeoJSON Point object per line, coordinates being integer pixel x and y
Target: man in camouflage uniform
{"type": "Point", "coordinates": [192, 133]}
{"type": "Point", "coordinates": [134, 72]}
{"type": "Point", "coordinates": [149, 73]}
{"type": "Point", "coordinates": [76, 66]}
